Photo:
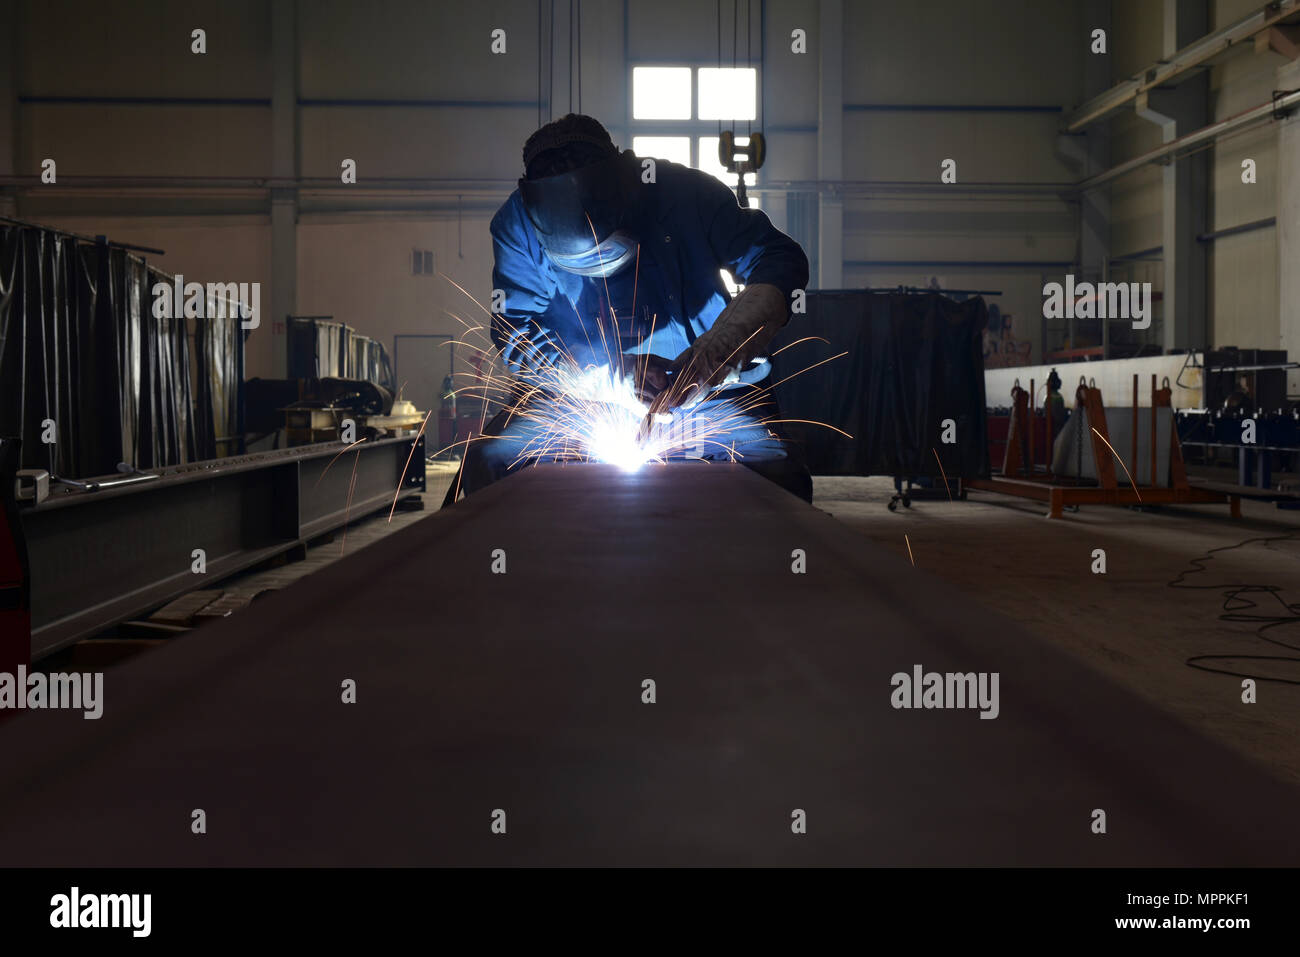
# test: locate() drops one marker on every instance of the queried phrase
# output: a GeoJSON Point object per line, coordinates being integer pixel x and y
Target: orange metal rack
{"type": "Point", "coordinates": [1022, 477]}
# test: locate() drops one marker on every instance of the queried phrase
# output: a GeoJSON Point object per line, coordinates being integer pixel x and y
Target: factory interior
{"type": "Point", "coordinates": [1016, 290]}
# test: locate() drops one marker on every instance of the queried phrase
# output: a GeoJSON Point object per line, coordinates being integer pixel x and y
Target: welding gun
{"type": "Point", "coordinates": [754, 372]}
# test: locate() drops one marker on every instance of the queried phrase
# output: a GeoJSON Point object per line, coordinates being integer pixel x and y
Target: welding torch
{"type": "Point", "coordinates": [755, 371]}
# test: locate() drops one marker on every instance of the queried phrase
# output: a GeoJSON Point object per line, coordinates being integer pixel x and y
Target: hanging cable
{"type": "Point", "coordinates": [718, 8]}
{"type": "Point", "coordinates": [749, 61]}
{"type": "Point", "coordinates": [579, 2]}
{"type": "Point", "coordinates": [550, 67]}
{"type": "Point", "coordinates": [735, 43]}
{"type": "Point", "coordinates": [539, 64]}
{"type": "Point", "coordinates": [762, 67]}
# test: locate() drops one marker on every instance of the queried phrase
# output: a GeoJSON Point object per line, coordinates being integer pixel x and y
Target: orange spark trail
{"type": "Point", "coordinates": [1121, 462]}
{"type": "Point", "coordinates": [414, 443]}
{"type": "Point", "coordinates": [943, 473]}
{"type": "Point", "coordinates": [352, 487]}
{"type": "Point", "coordinates": [335, 459]}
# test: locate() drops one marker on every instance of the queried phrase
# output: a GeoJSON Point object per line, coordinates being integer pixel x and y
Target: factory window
{"type": "Point", "coordinates": [728, 94]}
{"type": "Point", "coordinates": [422, 262]}
{"type": "Point", "coordinates": [673, 106]}
{"type": "Point", "coordinates": [676, 149]}
{"type": "Point", "coordinates": [661, 93]}
{"type": "Point", "coordinates": [677, 111]}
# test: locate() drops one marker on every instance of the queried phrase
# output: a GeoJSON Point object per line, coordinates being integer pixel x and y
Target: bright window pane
{"type": "Point", "coordinates": [674, 148]}
{"type": "Point", "coordinates": [728, 94]}
{"type": "Point", "coordinates": [661, 93]}
{"type": "Point", "coordinates": [710, 164]}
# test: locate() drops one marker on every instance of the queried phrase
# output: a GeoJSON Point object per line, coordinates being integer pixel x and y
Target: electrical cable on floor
{"type": "Point", "coordinates": [1236, 608]}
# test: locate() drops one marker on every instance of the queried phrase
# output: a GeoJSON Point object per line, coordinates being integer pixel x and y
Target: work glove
{"type": "Point", "coordinates": [534, 360]}
{"type": "Point", "coordinates": [649, 374]}
{"type": "Point", "coordinates": [740, 334]}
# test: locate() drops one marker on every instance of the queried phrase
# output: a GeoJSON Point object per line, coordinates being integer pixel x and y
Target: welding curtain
{"type": "Point", "coordinates": [323, 349]}
{"type": "Point", "coordinates": [88, 376]}
{"type": "Point", "coordinates": [913, 361]}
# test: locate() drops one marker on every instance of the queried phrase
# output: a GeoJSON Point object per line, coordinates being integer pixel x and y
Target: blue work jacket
{"type": "Point", "coordinates": [692, 226]}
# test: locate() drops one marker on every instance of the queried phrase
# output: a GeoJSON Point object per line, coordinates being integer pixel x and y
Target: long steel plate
{"type": "Point", "coordinates": [522, 692]}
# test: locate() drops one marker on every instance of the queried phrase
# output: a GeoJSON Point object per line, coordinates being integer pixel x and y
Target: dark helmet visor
{"type": "Point", "coordinates": [575, 212]}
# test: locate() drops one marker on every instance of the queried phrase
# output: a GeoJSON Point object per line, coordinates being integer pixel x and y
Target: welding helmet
{"type": "Point", "coordinates": [580, 217]}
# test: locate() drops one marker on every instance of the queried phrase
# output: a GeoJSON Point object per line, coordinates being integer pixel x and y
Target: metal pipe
{"type": "Point", "coordinates": [1237, 230]}
{"type": "Point", "coordinates": [1189, 57]}
{"type": "Point", "coordinates": [1135, 424]}
{"type": "Point", "coordinates": [949, 108]}
{"type": "Point", "coordinates": [1051, 436]}
{"type": "Point", "coordinates": [1153, 431]}
{"type": "Point", "coordinates": [1033, 396]}
{"type": "Point", "coordinates": [470, 186]}
{"type": "Point", "coordinates": [1153, 253]}
{"type": "Point", "coordinates": [144, 101]}
{"type": "Point", "coordinates": [263, 182]}
{"type": "Point", "coordinates": [98, 484]}
{"type": "Point", "coordinates": [1183, 144]}
{"type": "Point", "coordinates": [266, 102]}
{"type": "Point", "coordinates": [96, 240]}
{"type": "Point", "coordinates": [957, 264]}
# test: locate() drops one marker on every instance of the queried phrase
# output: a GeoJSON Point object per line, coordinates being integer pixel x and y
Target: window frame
{"type": "Point", "coordinates": [693, 128]}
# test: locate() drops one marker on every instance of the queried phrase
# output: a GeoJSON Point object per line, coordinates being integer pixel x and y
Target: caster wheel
{"type": "Point", "coordinates": [907, 501]}
{"type": "Point", "coordinates": [893, 505]}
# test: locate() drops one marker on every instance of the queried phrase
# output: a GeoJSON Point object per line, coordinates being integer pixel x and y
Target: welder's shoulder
{"type": "Point", "coordinates": [678, 182]}
{"type": "Point", "coordinates": [510, 219]}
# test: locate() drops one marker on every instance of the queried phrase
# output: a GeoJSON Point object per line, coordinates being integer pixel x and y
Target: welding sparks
{"type": "Point", "coordinates": [909, 550]}
{"type": "Point", "coordinates": [593, 412]}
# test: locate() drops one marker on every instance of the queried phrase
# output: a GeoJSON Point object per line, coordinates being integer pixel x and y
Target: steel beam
{"type": "Point", "coordinates": [11, 54]}
{"type": "Point", "coordinates": [1175, 67]}
{"type": "Point", "coordinates": [1262, 113]}
{"type": "Point", "coordinates": [1288, 224]}
{"type": "Point", "coordinates": [830, 146]}
{"type": "Point", "coordinates": [100, 557]}
{"type": "Point", "coordinates": [500, 651]}
{"type": "Point", "coordinates": [284, 165]}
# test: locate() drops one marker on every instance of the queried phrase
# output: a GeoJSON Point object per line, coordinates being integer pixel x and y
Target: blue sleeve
{"type": "Point", "coordinates": [746, 242]}
{"type": "Point", "coordinates": [522, 331]}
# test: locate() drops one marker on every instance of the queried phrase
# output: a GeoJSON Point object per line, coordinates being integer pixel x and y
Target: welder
{"type": "Point", "coordinates": [602, 264]}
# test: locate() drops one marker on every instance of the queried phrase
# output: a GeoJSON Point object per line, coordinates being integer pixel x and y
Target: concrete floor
{"type": "Point", "coordinates": [1127, 623]}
